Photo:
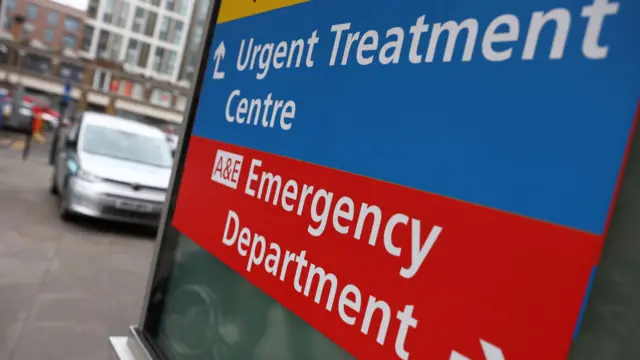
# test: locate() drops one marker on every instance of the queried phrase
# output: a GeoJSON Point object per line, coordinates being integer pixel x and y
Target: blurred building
{"type": "Point", "coordinates": [189, 68]}
{"type": "Point", "coordinates": [134, 58]}
{"type": "Point", "coordinates": [48, 25]}
{"type": "Point", "coordinates": [148, 37]}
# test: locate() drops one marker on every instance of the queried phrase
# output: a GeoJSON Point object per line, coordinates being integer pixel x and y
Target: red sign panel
{"type": "Point", "coordinates": [383, 270]}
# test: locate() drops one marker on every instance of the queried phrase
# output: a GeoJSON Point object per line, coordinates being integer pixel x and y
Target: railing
{"type": "Point", "coordinates": [92, 83]}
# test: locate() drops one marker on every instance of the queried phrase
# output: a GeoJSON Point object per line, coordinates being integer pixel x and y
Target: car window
{"type": "Point", "coordinates": [116, 143]}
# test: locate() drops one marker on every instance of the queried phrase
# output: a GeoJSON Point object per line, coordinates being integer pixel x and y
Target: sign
{"type": "Point", "coordinates": [128, 86]}
{"type": "Point", "coordinates": [66, 97]}
{"type": "Point", "coordinates": [114, 86]}
{"type": "Point", "coordinates": [422, 180]}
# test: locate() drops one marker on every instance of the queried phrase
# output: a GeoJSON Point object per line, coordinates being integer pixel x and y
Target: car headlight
{"type": "Point", "coordinates": [85, 175]}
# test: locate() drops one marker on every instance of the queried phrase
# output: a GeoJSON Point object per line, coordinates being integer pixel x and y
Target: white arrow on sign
{"type": "Point", "coordinates": [491, 352]}
{"type": "Point", "coordinates": [218, 55]}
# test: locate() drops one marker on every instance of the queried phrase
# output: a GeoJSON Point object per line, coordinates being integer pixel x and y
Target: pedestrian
{"type": "Point", "coordinates": [36, 124]}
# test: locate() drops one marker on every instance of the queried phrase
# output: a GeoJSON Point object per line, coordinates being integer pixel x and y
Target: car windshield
{"type": "Point", "coordinates": [120, 144]}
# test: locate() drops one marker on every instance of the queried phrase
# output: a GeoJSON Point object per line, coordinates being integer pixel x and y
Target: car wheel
{"type": "Point", "coordinates": [53, 189]}
{"type": "Point", "coordinates": [64, 211]}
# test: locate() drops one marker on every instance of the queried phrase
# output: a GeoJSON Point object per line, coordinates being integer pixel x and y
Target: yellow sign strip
{"type": "Point", "coordinates": [237, 9]}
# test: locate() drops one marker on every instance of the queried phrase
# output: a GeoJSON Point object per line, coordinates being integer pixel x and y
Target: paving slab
{"type": "Point", "coordinates": [64, 287]}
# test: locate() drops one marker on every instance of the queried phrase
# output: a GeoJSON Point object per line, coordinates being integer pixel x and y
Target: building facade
{"type": "Point", "coordinates": [53, 25]}
{"type": "Point", "coordinates": [147, 36]}
{"type": "Point", "coordinates": [189, 68]}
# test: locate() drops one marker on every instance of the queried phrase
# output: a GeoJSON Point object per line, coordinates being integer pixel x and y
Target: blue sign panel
{"type": "Point", "coordinates": [66, 97]}
{"type": "Point", "coordinates": [506, 104]}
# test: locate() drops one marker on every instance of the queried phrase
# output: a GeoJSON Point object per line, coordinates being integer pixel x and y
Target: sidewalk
{"type": "Point", "coordinates": [64, 288]}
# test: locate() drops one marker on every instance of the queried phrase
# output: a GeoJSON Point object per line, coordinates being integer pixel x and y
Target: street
{"type": "Point", "coordinates": [64, 287]}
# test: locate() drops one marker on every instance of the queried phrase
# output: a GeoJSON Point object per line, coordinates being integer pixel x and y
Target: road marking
{"type": "Point", "coordinates": [18, 145]}
{"type": "Point", "coordinates": [5, 142]}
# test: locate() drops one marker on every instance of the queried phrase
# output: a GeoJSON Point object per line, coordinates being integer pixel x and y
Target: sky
{"type": "Point", "coordinates": [78, 4]}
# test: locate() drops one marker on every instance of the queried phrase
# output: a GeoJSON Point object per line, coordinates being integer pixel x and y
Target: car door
{"type": "Point", "coordinates": [65, 152]}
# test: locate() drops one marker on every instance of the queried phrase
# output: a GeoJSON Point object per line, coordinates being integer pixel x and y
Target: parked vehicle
{"type": "Point", "coordinates": [19, 121]}
{"type": "Point", "coordinates": [173, 141]}
{"type": "Point", "coordinates": [22, 120]}
{"type": "Point", "coordinates": [172, 136]}
{"type": "Point", "coordinates": [112, 168]}
{"type": "Point", "coordinates": [50, 117]}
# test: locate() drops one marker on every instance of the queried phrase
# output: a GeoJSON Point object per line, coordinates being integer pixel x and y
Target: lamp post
{"type": "Point", "coordinates": [64, 102]}
{"type": "Point", "coordinates": [17, 22]}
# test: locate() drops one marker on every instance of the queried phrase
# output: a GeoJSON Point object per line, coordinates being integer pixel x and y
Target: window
{"type": "Point", "coordinates": [103, 41]}
{"type": "Point", "coordinates": [48, 35]}
{"type": "Point", "coordinates": [137, 91]}
{"type": "Point", "coordinates": [164, 29]}
{"type": "Point", "coordinates": [177, 35]}
{"type": "Point", "coordinates": [32, 11]}
{"type": "Point", "coordinates": [144, 21]}
{"type": "Point", "coordinates": [71, 24]}
{"type": "Point", "coordinates": [132, 52]}
{"type": "Point", "coordinates": [172, 62]}
{"type": "Point", "coordinates": [92, 10]}
{"type": "Point", "coordinates": [203, 6]}
{"type": "Point", "coordinates": [120, 144]}
{"type": "Point", "coordinates": [164, 61]}
{"type": "Point", "coordinates": [87, 36]}
{"type": "Point", "coordinates": [160, 97]}
{"type": "Point", "coordinates": [184, 4]}
{"type": "Point", "coordinates": [125, 88]}
{"type": "Point", "coordinates": [52, 18]}
{"type": "Point", "coordinates": [107, 15]}
{"type": "Point", "coordinates": [139, 19]}
{"type": "Point", "coordinates": [144, 55]}
{"type": "Point", "coordinates": [152, 2]}
{"type": "Point", "coordinates": [116, 12]}
{"type": "Point", "coordinates": [197, 37]}
{"type": "Point", "coordinates": [171, 30]}
{"type": "Point", "coordinates": [170, 5]}
{"type": "Point", "coordinates": [151, 23]}
{"type": "Point", "coordinates": [123, 14]}
{"type": "Point", "coordinates": [177, 6]}
{"type": "Point", "coordinates": [109, 45]}
{"type": "Point", "coordinates": [137, 53]}
{"type": "Point", "coordinates": [157, 60]}
{"type": "Point", "coordinates": [101, 80]}
{"type": "Point", "coordinates": [69, 41]}
{"type": "Point", "coordinates": [181, 103]}
{"type": "Point", "coordinates": [116, 45]}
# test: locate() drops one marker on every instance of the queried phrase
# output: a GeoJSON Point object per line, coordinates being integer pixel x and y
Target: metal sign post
{"type": "Point", "coordinates": [64, 102]}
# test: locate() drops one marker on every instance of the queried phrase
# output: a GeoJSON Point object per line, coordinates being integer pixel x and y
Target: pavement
{"type": "Point", "coordinates": [64, 287]}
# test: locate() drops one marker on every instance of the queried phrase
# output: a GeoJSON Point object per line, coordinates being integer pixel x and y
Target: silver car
{"type": "Point", "coordinates": [112, 168]}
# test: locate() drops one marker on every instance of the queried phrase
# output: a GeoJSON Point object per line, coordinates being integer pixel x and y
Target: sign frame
{"type": "Point", "coordinates": [161, 265]}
